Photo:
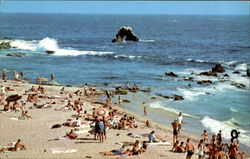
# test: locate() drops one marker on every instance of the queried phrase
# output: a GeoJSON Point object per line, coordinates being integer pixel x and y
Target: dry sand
{"type": "Point", "coordinates": [36, 132]}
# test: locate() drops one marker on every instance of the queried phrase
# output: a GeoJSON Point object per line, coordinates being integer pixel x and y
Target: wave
{"type": "Point", "coordinates": [242, 67]}
{"type": "Point", "coordinates": [147, 41]}
{"type": "Point", "coordinates": [52, 45]}
{"type": "Point", "coordinates": [126, 56]}
{"type": "Point", "coordinates": [233, 110]}
{"type": "Point", "coordinates": [159, 105]}
{"type": "Point", "coordinates": [214, 126]}
{"type": "Point", "coordinates": [226, 63]}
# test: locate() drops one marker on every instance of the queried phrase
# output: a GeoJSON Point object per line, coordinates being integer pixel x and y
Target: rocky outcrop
{"type": "Point", "coordinates": [5, 45]}
{"type": "Point", "coordinates": [236, 72]}
{"type": "Point", "coordinates": [127, 33]}
{"type": "Point", "coordinates": [204, 82]}
{"type": "Point", "coordinates": [209, 73]}
{"type": "Point", "coordinates": [172, 74]}
{"type": "Point", "coordinates": [248, 72]}
{"type": "Point", "coordinates": [19, 54]}
{"type": "Point", "coordinates": [239, 85]}
{"type": "Point", "coordinates": [218, 68]}
{"type": "Point", "coordinates": [189, 79]}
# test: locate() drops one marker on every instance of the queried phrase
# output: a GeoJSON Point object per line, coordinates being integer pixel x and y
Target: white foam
{"type": "Point", "coordinates": [126, 56]}
{"type": "Point", "coordinates": [215, 125]}
{"type": "Point", "coordinates": [159, 105]}
{"type": "Point", "coordinates": [242, 67]}
{"type": "Point", "coordinates": [23, 45]}
{"type": "Point", "coordinates": [147, 40]}
{"type": "Point", "coordinates": [233, 110]}
{"type": "Point", "coordinates": [238, 79]}
{"type": "Point", "coordinates": [48, 44]}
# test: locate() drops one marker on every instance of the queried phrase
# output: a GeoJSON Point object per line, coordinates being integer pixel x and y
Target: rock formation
{"type": "Point", "coordinates": [127, 32]}
{"type": "Point", "coordinates": [19, 54]}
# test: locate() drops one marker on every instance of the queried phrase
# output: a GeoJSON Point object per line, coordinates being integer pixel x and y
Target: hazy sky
{"type": "Point", "coordinates": [127, 7]}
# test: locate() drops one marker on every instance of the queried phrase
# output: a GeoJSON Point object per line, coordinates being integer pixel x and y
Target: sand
{"type": "Point", "coordinates": [36, 132]}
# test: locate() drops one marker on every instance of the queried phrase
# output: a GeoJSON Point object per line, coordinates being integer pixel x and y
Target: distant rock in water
{"type": "Point", "coordinates": [236, 72]}
{"type": "Point", "coordinates": [5, 45]}
{"type": "Point", "coordinates": [171, 74]}
{"type": "Point", "coordinates": [226, 75]}
{"type": "Point", "coordinates": [50, 52]}
{"type": "Point", "coordinates": [248, 72]}
{"type": "Point", "coordinates": [239, 85]}
{"type": "Point", "coordinates": [218, 68]}
{"type": "Point", "coordinates": [209, 73]}
{"type": "Point", "coordinates": [19, 54]}
{"type": "Point", "coordinates": [127, 32]}
{"type": "Point", "coordinates": [177, 97]}
{"type": "Point", "coordinates": [204, 81]}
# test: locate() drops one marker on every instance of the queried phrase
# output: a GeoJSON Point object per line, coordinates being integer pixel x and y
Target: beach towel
{"type": "Point", "coordinates": [136, 136]}
{"type": "Point", "coordinates": [13, 118]}
{"type": "Point", "coordinates": [159, 144]}
{"type": "Point", "coordinates": [62, 150]}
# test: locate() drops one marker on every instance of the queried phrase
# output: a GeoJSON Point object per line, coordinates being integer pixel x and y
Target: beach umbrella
{"type": "Point", "coordinates": [100, 112]}
{"type": "Point", "coordinates": [41, 79]}
{"type": "Point", "coordinates": [13, 98]}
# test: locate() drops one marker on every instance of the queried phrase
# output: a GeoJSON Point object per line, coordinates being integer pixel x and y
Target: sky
{"type": "Point", "coordinates": [127, 7]}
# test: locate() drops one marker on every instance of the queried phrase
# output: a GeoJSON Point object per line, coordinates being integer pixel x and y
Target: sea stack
{"type": "Point", "coordinates": [127, 32]}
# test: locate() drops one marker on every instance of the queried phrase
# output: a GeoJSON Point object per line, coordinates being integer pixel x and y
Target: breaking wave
{"type": "Point", "coordinates": [226, 127]}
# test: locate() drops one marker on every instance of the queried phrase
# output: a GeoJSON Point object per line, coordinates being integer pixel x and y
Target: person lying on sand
{"type": "Point", "coordinates": [153, 138]}
{"type": "Point", "coordinates": [144, 146]}
{"type": "Point", "coordinates": [119, 151]}
{"type": "Point", "coordinates": [18, 146]}
{"type": "Point", "coordinates": [32, 98]}
{"type": "Point", "coordinates": [72, 135]}
{"type": "Point", "coordinates": [25, 115]}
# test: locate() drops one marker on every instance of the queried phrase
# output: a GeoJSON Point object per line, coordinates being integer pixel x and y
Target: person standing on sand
{"type": "Point", "coordinates": [52, 77]}
{"type": "Point", "coordinates": [2, 94]}
{"type": "Point", "coordinates": [119, 100]}
{"type": "Point", "coordinates": [145, 111]}
{"type": "Point", "coordinates": [205, 136]}
{"type": "Point", "coordinates": [4, 75]}
{"type": "Point", "coordinates": [175, 126]}
{"type": "Point", "coordinates": [180, 121]}
{"type": "Point", "coordinates": [21, 75]}
{"type": "Point", "coordinates": [219, 138]}
{"type": "Point", "coordinates": [189, 149]}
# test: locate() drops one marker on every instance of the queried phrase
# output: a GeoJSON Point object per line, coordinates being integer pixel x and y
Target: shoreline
{"type": "Point", "coordinates": [160, 128]}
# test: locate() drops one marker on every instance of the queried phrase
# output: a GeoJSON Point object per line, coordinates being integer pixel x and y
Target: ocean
{"type": "Point", "coordinates": [183, 44]}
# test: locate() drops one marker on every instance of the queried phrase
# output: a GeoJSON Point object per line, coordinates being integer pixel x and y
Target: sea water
{"type": "Point", "coordinates": [185, 45]}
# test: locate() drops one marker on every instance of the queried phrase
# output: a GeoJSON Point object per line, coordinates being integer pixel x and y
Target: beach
{"type": "Point", "coordinates": [36, 133]}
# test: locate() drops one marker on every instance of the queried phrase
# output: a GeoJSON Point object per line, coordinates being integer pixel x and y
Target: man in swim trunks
{"type": "Point", "coordinates": [221, 154]}
{"type": "Point", "coordinates": [189, 149]}
{"type": "Point", "coordinates": [175, 126]}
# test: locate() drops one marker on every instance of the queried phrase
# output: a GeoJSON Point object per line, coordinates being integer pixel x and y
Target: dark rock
{"type": "Point", "coordinates": [226, 75]}
{"type": "Point", "coordinates": [120, 90]}
{"type": "Point", "coordinates": [209, 73]}
{"type": "Point", "coordinates": [177, 97]}
{"type": "Point", "coordinates": [243, 75]}
{"type": "Point", "coordinates": [153, 98]}
{"type": "Point", "coordinates": [236, 72]}
{"type": "Point", "coordinates": [126, 101]}
{"type": "Point", "coordinates": [248, 72]}
{"type": "Point", "coordinates": [204, 81]}
{"type": "Point", "coordinates": [218, 68]}
{"type": "Point", "coordinates": [239, 85]}
{"type": "Point", "coordinates": [163, 96]}
{"type": "Point", "coordinates": [148, 90]}
{"type": "Point", "coordinates": [127, 32]}
{"type": "Point", "coordinates": [50, 52]}
{"type": "Point", "coordinates": [19, 54]}
{"type": "Point", "coordinates": [5, 45]}
{"type": "Point", "coordinates": [171, 74]}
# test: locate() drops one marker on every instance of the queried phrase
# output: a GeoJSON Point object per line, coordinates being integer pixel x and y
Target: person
{"type": "Point", "coordinates": [78, 122]}
{"type": "Point", "coordinates": [136, 148]}
{"type": "Point", "coordinates": [189, 149]}
{"type": "Point", "coordinates": [200, 149]}
{"type": "Point", "coordinates": [147, 124]}
{"type": "Point", "coordinates": [221, 154]}
{"type": "Point", "coordinates": [2, 94]}
{"type": "Point", "coordinates": [175, 126]}
{"type": "Point", "coordinates": [181, 148]}
{"type": "Point", "coordinates": [175, 146]}
{"type": "Point", "coordinates": [205, 136]}
{"type": "Point", "coordinates": [233, 151]}
{"type": "Point", "coordinates": [72, 135]}
{"type": "Point", "coordinates": [219, 137]}
{"type": "Point", "coordinates": [145, 111]}
{"type": "Point", "coordinates": [19, 146]}
{"type": "Point", "coordinates": [127, 85]}
{"type": "Point", "coordinates": [4, 75]}
{"type": "Point", "coordinates": [119, 100]}
{"type": "Point", "coordinates": [16, 75]}
{"type": "Point", "coordinates": [115, 152]}
{"type": "Point", "coordinates": [52, 77]}
{"type": "Point", "coordinates": [153, 138]}
{"type": "Point", "coordinates": [101, 130]}
{"type": "Point", "coordinates": [144, 146]}
{"type": "Point", "coordinates": [25, 115]}
{"type": "Point", "coordinates": [21, 75]}
{"type": "Point", "coordinates": [180, 121]}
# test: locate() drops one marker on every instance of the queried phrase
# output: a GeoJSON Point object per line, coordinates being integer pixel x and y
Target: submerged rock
{"type": "Point", "coordinates": [209, 73]}
{"type": "Point", "coordinates": [236, 72]}
{"type": "Point", "coordinates": [226, 75]}
{"type": "Point", "coordinates": [19, 54]}
{"type": "Point", "coordinates": [125, 101]}
{"type": "Point", "coordinates": [5, 45]}
{"type": "Point", "coordinates": [171, 74]}
{"type": "Point", "coordinates": [50, 52]}
{"type": "Point", "coordinates": [127, 32]}
{"type": "Point", "coordinates": [163, 96]}
{"type": "Point", "coordinates": [204, 81]}
{"type": "Point", "coordinates": [189, 79]}
{"type": "Point", "coordinates": [248, 72]}
{"type": "Point", "coordinates": [178, 97]}
{"type": "Point", "coordinates": [239, 85]}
